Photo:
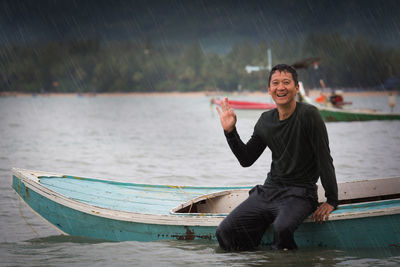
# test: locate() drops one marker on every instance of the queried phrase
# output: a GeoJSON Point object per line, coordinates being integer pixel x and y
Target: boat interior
{"type": "Point", "coordinates": [223, 202]}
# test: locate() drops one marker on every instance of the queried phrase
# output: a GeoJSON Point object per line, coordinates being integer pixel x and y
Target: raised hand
{"type": "Point", "coordinates": [227, 116]}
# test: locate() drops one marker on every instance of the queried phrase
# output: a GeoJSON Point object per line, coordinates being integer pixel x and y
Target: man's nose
{"type": "Point", "coordinates": [281, 86]}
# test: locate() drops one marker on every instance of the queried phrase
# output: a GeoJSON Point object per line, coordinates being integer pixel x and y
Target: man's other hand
{"type": "Point", "coordinates": [322, 213]}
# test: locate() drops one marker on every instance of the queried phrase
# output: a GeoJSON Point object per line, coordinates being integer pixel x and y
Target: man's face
{"type": "Point", "coordinates": [282, 88]}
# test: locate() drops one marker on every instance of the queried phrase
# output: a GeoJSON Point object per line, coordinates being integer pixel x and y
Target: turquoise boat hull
{"type": "Point", "coordinates": [77, 223]}
{"type": "Point", "coordinates": [116, 211]}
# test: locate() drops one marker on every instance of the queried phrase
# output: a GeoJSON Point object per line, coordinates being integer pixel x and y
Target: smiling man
{"type": "Point", "coordinates": [297, 137]}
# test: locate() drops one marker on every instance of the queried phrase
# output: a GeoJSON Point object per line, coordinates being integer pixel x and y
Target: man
{"type": "Point", "coordinates": [297, 137]}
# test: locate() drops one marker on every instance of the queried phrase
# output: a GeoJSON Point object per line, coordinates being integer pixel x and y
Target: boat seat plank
{"type": "Point", "coordinates": [350, 192]}
{"type": "Point", "coordinates": [357, 191]}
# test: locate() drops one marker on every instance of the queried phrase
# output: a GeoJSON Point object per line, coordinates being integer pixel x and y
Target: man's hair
{"type": "Point", "coordinates": [285, 68]}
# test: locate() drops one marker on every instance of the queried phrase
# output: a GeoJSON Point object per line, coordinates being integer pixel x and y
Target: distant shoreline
{"type": "Point", "coordinates": [312, 93]}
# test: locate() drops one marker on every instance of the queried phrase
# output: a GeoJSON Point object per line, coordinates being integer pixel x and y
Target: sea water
{"type": "Point", "coordinates": [163, 139]}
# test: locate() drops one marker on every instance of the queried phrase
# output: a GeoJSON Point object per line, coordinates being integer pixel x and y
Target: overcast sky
{"type": "Point", "coordinates": [209, 21]}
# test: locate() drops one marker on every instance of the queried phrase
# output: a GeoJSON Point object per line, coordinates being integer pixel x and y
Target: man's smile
{"type": "Point", "coordinates": [281, 94]}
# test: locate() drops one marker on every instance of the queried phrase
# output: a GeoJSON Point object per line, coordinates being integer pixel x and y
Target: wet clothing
{"type": "Point", "coordinates": [300, 155]}
{"type": "Point", "coordinates": [285, 207]}
{"type": "Point", "coordinates": [300, 149]}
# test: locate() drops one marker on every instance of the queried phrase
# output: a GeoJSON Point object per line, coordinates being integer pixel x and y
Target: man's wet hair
{"type": "Point", "coordinates": [284, 68]}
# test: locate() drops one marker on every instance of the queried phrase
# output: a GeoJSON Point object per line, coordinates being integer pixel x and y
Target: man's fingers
{"type": "Point", "coordinates": [222, 104]}
{"type": "Point", "coordinates": [319, 218]}
{"type": "Point", "coordinates": [323, 216]}
{"type": "Point", "coordinates": [226, 104]}
{"type": "Point", "coordinates": [219, 111]}
{"type": "Point", "coordinates": [322, 213]}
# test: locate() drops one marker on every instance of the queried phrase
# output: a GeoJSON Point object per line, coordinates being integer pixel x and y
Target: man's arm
{"type": "Point", "coordinates": [320, 143]}
{"type": "Point", "coordinates": [248, 153]}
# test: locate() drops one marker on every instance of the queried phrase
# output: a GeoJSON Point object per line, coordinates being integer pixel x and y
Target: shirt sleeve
{"type": "Point", "coordinates": [320, 143]}
{"type": "Point", "coordinates": [247, 153]}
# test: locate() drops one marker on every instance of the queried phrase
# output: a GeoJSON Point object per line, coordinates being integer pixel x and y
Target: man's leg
{"type": "Point", "coordinates": [244, 227]}
{"type": "Point", "coordinates": [291, 214]}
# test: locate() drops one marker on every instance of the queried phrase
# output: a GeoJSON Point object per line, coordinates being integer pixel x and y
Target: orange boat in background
{"type": "Point", "coordinates": [335, 99]}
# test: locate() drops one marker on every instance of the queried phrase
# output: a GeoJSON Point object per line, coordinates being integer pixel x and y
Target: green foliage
{"type": "Point", "coordinates": [126, 66]}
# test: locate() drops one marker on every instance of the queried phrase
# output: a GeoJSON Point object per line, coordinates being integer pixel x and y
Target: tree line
{"type": "Point", "coordinates": [89, 66]}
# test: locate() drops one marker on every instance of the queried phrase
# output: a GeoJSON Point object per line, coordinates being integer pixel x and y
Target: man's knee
{"type": "Point", "coordinates": [219, 233]}
{"type": "Point", "coordinates": [283, 227]}
{"type": "Point", "coordinates": [222, 233]}
{"type": "Point", "coordinates": [233, 239]}
{"type": "Point", "coordinates": [284, 235]}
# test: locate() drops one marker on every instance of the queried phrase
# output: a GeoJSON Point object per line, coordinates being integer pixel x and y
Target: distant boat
{"type": "Point", "coordinates": [335, 100]}
{"type": "Point", "coordinates": [335, 114]}
{"type": "Point", "coordinates": [368, 214]}
{"type": "Point", "coordinates": [332, 114]}
{"type": "Point", "coordinates": [235, 104]}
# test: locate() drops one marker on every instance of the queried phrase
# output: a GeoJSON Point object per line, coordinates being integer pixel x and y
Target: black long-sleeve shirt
{"type": "Point", "coordinates": [300, 149]}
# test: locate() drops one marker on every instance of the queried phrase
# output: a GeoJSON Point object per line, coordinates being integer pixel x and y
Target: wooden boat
{"type": "Point", "coordinates": [236, 104]}
{"type": "Point", "coordinates": [368, 216]}
{"type": "Point", "coordinates": [331, 114]}
{"type": "Point", "coordinates": [335, 114]}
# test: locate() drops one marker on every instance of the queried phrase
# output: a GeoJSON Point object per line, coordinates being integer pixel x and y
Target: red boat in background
{"type": "Point", "coordinates": [235, 104]}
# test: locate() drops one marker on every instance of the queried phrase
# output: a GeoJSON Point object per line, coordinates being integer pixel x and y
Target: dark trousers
{"type": "Point", "coordinates": [284, 207]}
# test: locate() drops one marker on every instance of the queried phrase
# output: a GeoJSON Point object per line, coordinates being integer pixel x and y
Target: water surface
{"type": "Point", "coordinates": [162, 140]}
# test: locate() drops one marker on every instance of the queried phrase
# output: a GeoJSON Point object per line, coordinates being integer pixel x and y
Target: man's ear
{"type": "Point", "coordinates": [269, 90]}
{"type": "Point", "coordinates": [297, 88]}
